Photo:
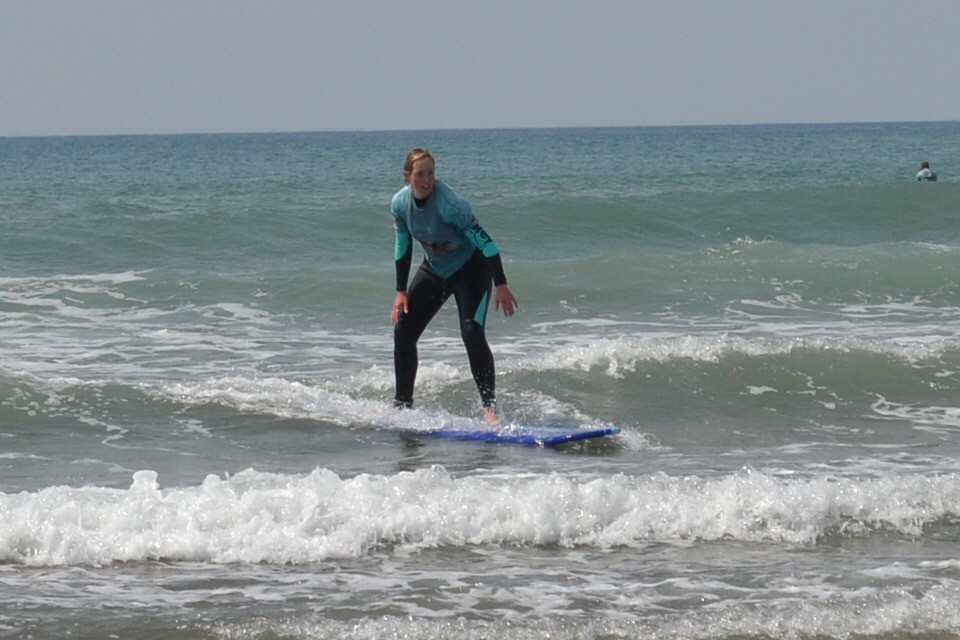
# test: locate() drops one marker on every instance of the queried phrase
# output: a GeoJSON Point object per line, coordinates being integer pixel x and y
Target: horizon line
{"type": "Point", "coordinates": [467, 129]}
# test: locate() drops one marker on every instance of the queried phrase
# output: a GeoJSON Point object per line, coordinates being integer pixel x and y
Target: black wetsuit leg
{"type": "Point", "coordinates": [471, 286]}
{"type": "Point", "coordinates": [425, 296]}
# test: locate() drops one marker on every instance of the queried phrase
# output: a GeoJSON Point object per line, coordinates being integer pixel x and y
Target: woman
{"type": "Point", "coordinates": [459, 259]}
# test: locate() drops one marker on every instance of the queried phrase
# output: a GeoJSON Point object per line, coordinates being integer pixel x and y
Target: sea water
{"type": "Point", "coordinates": [196, 438]}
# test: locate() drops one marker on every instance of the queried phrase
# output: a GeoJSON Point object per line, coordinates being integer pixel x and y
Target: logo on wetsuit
{"type": "Point", "coordinates": [479, 232]}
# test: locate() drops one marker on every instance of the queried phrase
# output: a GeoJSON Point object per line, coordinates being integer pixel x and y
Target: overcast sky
{"type": "Point", "coordinates": [181, 66]}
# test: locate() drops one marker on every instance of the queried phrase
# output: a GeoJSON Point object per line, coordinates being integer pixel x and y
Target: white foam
{"type": "Point", "coordinates": [759, 390]}
{"type": "Point", "coordinates": [938, 420]}
{"type": "Point", "coordinates": [292, 399]}
{"type": "Point", "coordinates": [616, 356]}
{"type": "Point", "coordinates": [842, 614]}
{"type": "Point", "coordinates": [73, 280]}
{"type": "Point", "coordinates": [262, 517]}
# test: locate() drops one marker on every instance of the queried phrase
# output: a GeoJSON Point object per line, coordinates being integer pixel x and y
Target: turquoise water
{"type": "Point", "coordinates": [195, 376]}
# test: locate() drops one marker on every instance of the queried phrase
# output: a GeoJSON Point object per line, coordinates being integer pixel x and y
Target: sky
{"type": "Point", "coordinates": [95, 67]}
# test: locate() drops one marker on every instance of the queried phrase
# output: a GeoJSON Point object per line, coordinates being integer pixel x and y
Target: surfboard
{"type": "Point", "coordinates": [540, 436]}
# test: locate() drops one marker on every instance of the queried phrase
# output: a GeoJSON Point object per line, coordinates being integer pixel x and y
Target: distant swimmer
{"type": "Point", "coordinates": [926, 174]}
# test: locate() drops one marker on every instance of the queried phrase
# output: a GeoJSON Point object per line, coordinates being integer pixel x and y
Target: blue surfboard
{"type": "Point", "coordinates": [543, 436]}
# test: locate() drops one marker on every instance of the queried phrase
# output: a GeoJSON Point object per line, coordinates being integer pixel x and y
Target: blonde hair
{"type": "Point", "coordinates": [414, 156]}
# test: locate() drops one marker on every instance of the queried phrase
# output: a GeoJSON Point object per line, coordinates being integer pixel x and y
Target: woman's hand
{"type": "Point", "coordinates": [399, 307]}
{"type": "Point", "coordinates": [506, 300]}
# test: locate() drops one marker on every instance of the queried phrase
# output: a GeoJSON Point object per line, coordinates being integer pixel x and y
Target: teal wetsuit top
{"type": "Point", "coordinates": [446, 228]}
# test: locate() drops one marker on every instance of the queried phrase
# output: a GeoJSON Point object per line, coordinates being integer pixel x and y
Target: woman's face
{"type": "Point", "coordinates": [421, 177]}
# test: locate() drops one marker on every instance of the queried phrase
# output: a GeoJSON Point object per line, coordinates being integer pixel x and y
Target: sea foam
{"type": "Point", "coordinates": [254, 517]}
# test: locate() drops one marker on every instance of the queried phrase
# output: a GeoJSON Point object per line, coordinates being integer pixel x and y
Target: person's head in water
{"type": "Point", "coordinates": [419, 171]}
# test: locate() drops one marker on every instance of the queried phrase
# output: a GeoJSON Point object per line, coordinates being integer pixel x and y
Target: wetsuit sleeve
{"type": "Point", "coordinates": [403, 255]}
{"type": "Point", "coordinates": [490, 250]}
{"type": "Point", "coordinates": [496, 266]}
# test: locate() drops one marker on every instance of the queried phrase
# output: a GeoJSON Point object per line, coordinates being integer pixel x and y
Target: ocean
{"type": "Point", "coordinates": [196, 432]}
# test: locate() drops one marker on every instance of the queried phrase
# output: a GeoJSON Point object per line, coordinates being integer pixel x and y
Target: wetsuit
{"type": "Point", "coordinates": [460, 259]}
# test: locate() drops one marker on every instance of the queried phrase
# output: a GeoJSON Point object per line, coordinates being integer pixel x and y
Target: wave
{"type": "Point", "coordinates": [567, 369]}
{"type": "Point", "coordinates": [255, 517]}
{"type": "Point", "coordinates": [616, 356]}
{"type": "Point", "coordinates": [842, 217]}
{"type": "Point", "coordinates": [316, 376]}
